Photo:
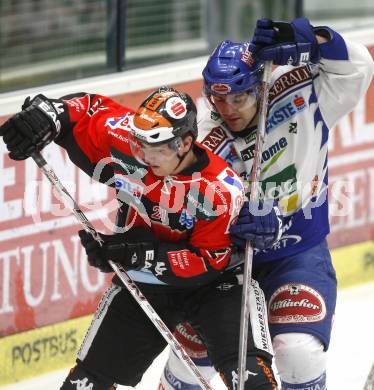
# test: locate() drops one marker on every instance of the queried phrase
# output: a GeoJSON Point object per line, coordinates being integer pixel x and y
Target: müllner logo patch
{"type": "Point", "coordinates": [222, 89]}
{"type": "Point", "coordinates": [296, 303]}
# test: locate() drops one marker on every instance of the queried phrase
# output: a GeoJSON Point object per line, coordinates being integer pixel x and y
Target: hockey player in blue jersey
{"type": "Point", "coordinates": [320, 78]}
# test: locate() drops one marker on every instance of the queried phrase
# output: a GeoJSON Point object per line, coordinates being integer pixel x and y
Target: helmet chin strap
{"type": "Point", "coordinates": [182, 158]}
{"type": "Point", "coordinates": [250, 123]}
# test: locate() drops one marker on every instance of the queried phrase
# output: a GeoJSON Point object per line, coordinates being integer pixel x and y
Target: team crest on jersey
{"type": "Point", "coordinates": [284, 111]}
{"type": "Point", "coordinates": [296, 303]}
{"type": "Point", "coordinates": [119, 123]}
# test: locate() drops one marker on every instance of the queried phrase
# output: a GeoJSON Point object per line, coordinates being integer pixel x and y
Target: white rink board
{"type": "Point", "coordinates": [135, 80]}
{"type": "Point", "coordinates": [350, 358]}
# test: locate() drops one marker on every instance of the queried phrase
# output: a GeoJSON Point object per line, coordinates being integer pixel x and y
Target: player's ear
{"type": "Point", "coordinates": [187, 143]}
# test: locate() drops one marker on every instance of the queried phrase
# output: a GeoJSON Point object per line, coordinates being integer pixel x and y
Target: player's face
{"type": "Point", "coordinates": [161, 159]}
{"type": "Point", "coordinates": [237, 110]}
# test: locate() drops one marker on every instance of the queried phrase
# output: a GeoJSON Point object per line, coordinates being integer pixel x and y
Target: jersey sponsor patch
{"type": "Point", "coordinates": [218, 259]}
{"type": "Point", "coordinates": [176, 108]}
{"type": "Point", "coordinates": [247, 56]}
{"type": "Point", "coordinates": [296, 303]}
{"type": "Point", "coordinates": [231, 181]}
{"type": "Point", "coordinates": [186, 219]}
{"type": "Point", "coordinates": [199, 206]}
{"type": "Point", "coordinates": [214, 139]}
{"type": "Point", "coordinates": [283, 183]}
{"type": "Point", "coordinates": [314, 384]}
{"type": "Point", "coordinates": [251, 137]}
{"type": "Point", "coordinates": [95, 107]}
{"type": "Point", "coordinates": [133, 189]}
{"type": "Point", "coordinates": [234, 185]}
{"type": "Point", "coordinates": [248, 153]}
{"type": "Point", "coordinates": [286, 241]}
{"type": "Point", "coordinates": [119, 123]}
{"type": "Point", "coordinates": [282, 113]}
{"type": "Point", "coordinates": [76, 106]}
{"type": "Point", "coordinates": [289, 80]}
{"type": "Point", "coordinates": [190, 341]}
{"type": "Point", "coordinates": [184, 266]}
{"type": "Point", "coordinates": [274, 149]}
{"type": "Point", "coordinates": [160, 268]}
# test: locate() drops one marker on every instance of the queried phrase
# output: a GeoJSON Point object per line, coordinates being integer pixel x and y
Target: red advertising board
{"type": "Point", "coordinates": [44, 278]}
{"type": "Point", "coordinates": [351, 175]}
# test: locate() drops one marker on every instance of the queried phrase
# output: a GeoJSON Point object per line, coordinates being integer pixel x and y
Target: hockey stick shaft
{"type": "Point", "coordinates": [69, 202]}
{"type": "Point", "coordinates": [254, 195]}
{"type": "Point", "coordinates": [369, 383]}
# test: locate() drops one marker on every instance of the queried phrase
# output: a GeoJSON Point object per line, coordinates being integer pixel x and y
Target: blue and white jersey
{"type": "Point", "coordinates": [304, 104]}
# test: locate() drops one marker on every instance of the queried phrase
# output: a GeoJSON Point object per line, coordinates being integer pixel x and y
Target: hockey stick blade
{"type": "Point", "coordinates": [69, 202]}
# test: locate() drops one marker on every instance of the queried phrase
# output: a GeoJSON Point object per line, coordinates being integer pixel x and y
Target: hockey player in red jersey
{"type": "Point", "coordinates": [320, 78]}
{"type": "Point", "coordinates": [173, 239]}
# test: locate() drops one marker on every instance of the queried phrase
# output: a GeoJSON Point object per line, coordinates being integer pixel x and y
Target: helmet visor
{"type": "Point", "coordinates": [238, 101]}
{"type": "Point", "coordinates": [154, 155]}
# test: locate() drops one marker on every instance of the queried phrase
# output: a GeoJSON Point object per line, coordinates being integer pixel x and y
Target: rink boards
{"type": "Point", "coordinates": [47, 290]}
{"type": "Point", "coordinates": [38, 351]}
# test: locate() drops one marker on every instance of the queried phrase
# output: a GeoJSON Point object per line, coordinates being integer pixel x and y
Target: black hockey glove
{"type": "Point", "coordinates": [130, 249]}
{"type": "Point", "coordinates": [31, 129]}
{"type": "Point", "coordinates": [285, 43]}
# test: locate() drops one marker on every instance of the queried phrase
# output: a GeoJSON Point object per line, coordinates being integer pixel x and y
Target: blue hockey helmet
{"type": "Point", "coordinates": [231, 69]}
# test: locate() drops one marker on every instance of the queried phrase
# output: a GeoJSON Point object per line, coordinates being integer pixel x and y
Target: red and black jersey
{"type": "Point", "coordinates": [189, 213]}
